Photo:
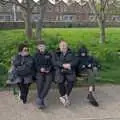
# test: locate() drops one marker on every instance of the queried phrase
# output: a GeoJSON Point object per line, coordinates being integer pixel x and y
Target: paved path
{"type": "Point", "coordinates": [108, 97]}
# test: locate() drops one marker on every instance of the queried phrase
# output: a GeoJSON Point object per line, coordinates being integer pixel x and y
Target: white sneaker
{"type": "Point", "coordinates": [67, 100]}
{"type": "Point", "coordinates": [63, 100]}
{"type": "Point", "coordinates": [18, 96]}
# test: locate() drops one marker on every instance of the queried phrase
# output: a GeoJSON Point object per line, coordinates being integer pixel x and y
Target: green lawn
{"type": "Point", "coordinates": [106, 53]}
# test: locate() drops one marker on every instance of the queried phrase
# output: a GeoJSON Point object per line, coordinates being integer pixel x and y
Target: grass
{"type": "Point", "coordinates": [106, 53]}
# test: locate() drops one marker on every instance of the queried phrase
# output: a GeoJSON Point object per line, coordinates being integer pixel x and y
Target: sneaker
{"type": "Point", "coordinates": [67, 100]}
{"type": "Point", "coordinates": [63, 100]}
{"type": "Point", "coordinates": [19, 96]}
{"type": "Point", "coordinates": [41, 104]}
{"type": "Point", "coordinates": [92, 100]}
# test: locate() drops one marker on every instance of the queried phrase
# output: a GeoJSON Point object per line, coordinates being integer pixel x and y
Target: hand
{"type": "Point", "coordinates": [47, 71]}
{"type": "Point", "coordinates": [95, 68]}
{"type": "Point", "coordinates": [42, 70]}
{"type": "Point", "coordinates": [83, 66]}
{"type": "Point", "coordinates": [67, 66]}
{"type": "Point", "coordinates": [89, 65]}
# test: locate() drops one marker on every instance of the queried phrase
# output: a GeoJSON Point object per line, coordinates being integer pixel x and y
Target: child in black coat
{"type": "Point", "coordinates": [88, 64]}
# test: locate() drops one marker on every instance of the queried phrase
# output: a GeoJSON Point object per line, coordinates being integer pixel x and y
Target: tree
{"type": "Point", "coordinates": [116, 3]}
{"type": "Point", "coordinates": [39, 23]}
{"type": "Point", "coordinates": [99, 8]}
{"type": "Point", "coordinates": [27, 7]}
{"type": "Point", "coordinates": [100, 15]}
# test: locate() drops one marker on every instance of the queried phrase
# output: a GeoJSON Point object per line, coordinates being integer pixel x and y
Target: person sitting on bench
{"type": "Point", "coordinates": [64, 64]}
{"type": "Point", "coordinates": [23, 63]}
{"type": "Point", "coordinates": [88, 65]}
{"type": "Point", "coordinates": [44, 75]}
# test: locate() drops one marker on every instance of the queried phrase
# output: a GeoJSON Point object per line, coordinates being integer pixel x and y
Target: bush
{"type": "Point", "coordinates": [106, 53]}
{"type": "Point", "coordinates": [3, 74]}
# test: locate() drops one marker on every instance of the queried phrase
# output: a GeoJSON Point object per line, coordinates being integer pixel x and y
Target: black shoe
{"type": "Point", "coordinates": [94, 88]}
{"type": "Point", "coordinates": [24, 100]}
{"type": "Point", "coordinates": [42, 105]}
{"type": "Point", "coordinates": [92, 100]}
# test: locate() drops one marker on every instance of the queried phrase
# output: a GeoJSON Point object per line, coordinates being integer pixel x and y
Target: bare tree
{"type": "Point", "coordinates": [99, 8]}
{"type": "Point", "coordinates": [27, 7]}
{"type": "Point", "coordinates": [39, 23]}
{"type": "Point", "coordinates": [100, 16]}
{"type": "Point", "coordinates": [116, 3]}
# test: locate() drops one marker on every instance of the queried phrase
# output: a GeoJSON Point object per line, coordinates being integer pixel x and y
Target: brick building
{"type": "Point", "coordinates": [55, 12]}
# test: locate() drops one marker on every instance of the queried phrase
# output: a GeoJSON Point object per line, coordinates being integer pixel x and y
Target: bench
{"type": "Point", "coordinates": [81, 80]}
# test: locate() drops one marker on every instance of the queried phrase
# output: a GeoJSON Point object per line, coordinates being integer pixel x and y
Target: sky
{"type": "Point", "coordinates": [54, 0]}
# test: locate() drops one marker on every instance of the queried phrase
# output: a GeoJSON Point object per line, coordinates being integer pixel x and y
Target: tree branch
{"type": "Point", "coordinates": [4, 2]}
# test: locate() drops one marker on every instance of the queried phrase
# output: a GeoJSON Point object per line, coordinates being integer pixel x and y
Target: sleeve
{"type": "Point", "coordinates": [25, 67]}
{"type": "Point", "coordinates": [16, 61]}
{"type": "Point", "coordinates": [75, 61]}
{"type": "Point", "coordinates": [50, 64]}
{"type": "Point", "coordinates": [35, 63]}
{"type": "Point", "coordinates": [55, 62]}
{"type": "Point", "coordinates": [94, 62]}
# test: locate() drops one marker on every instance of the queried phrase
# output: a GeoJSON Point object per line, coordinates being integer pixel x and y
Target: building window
{"type": "Point", "coordinates": [78, 17]}
{"type": "Point", "coordinates": [67, 17]}
{"type": "Point", "coordinates": [116, 18]}
{"type": "Point", "coordinates": [57, 9]}
{"type": "Point", "coordinates": [7, 18]}
{"type": "Point", "coordinates": [1, 18]}
{"type": "Point", "coordinates": [57, 18]}
{"type": "Point", "coordinates": [61, 18]}
{"type": "Point", "coordinates": [49, 9]}
{"type": "Point", "coordinates": [92, 18]}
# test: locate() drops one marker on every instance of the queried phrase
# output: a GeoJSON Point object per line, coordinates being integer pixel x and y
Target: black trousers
{"type": "Point", "coordinates": [65, 87]}
{"type": "Point", "coordinates": [24, 89]}
{"type": "Point", "coordinates": [43, 84]}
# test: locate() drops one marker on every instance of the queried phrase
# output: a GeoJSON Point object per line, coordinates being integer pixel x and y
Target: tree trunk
{"type": "Point", "coordinates": [100, 15]}
{"type": "Point", "coordinates": [39, 23]}
{"type": "Point", "coordinates": [102, 31]}
{"type": "Point", "coordinates": [28, 24]}
{"type": "Point", "coordinates": [39, 30]}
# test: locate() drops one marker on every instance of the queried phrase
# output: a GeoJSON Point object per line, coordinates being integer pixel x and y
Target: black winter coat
{"type": "Point", "coordinates": [23, 65]}
{"type": "Point", "coordinates": [59, 59]}
{"type": "Point", "coordinates": [87, 62]}
{"type": "Point", "coordinates": [43, 60]}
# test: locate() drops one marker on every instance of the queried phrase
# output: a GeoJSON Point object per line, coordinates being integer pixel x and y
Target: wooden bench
{"type": "Point", "coordinates": [81, 81]}
{"type": "Point", "coordinates": [12, 85]}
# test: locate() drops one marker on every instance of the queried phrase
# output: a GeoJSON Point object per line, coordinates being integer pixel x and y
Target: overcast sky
{"type": "Point", "coordinates": [54, 0]}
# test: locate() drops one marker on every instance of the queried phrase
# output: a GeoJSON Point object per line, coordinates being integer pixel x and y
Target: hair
{"type": "Point", "coordinates": [83, 46]}
{"type": "Point", "coordinates": [21, 46]}
{"type": "Point", "coordinates": [40, 42]}
{"type": "Point", "coordinates": [62, 41]}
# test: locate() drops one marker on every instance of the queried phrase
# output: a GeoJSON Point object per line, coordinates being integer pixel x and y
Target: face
{"type": "Point", "coordinates": [63, 47]}
{"type": "Point", "coordinates": [41, 47]}
{"type": "Point", "coordinates": [83, 54]}
{"type": "Point", "coordinates": [25, 51]}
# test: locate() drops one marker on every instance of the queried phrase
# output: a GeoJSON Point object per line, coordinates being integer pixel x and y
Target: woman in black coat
{"type": "Point", "coordinates": [23, 63]}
